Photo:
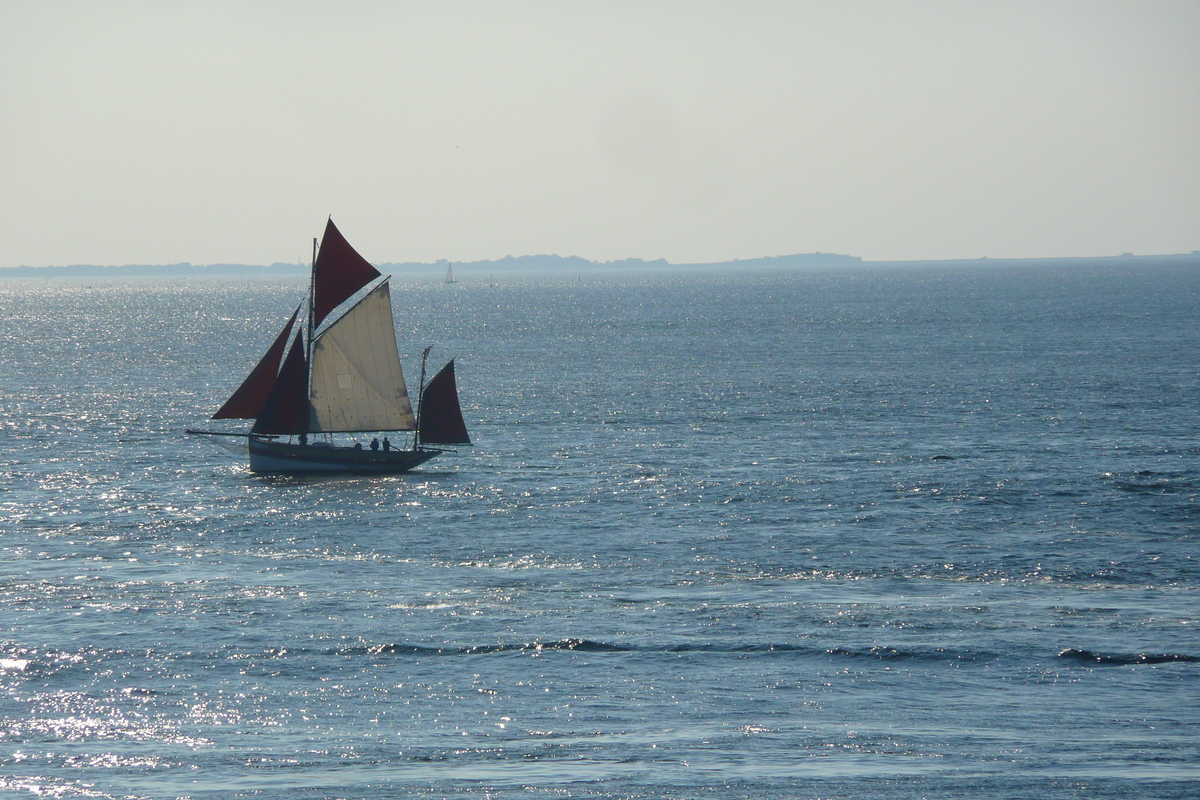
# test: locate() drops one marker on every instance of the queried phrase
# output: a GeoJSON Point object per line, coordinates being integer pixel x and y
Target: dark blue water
{"type": "Point", "coordinates": [895, 533]}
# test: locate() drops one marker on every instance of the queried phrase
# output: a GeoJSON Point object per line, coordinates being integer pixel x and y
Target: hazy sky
{"type": "Point", "coordinates": [692, 131]}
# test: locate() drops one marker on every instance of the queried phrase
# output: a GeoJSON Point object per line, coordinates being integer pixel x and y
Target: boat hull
{"type": "Point", "coordinates": [296, 459]}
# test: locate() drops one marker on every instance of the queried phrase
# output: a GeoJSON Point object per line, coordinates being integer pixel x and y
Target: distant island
{"type": "Point", "coordinates": [149, 270]}
{"type": "Point", "coordinates": [542, 263]}
{"type": "Point", "coordinates": [574, 264]}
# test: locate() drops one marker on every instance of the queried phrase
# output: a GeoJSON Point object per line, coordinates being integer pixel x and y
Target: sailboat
{"type": "Point", "coordinates": [335, 369]}
{"type": "Point", "coordinates": [450, 273]}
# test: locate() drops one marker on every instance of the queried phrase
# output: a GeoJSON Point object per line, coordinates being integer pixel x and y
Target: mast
{"type": "Point", "coordinates": [308, 339]}
{"type": "Point", "coordinates": [312, 296]}
{"type": "Point", "coordinates": [420, 395]}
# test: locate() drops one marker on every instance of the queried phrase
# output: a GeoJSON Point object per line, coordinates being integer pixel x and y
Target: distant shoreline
{"type": "Point", "coordinates": [552, 263]}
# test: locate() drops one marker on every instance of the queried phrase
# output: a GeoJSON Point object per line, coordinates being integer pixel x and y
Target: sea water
{"type": "Point", "coordinates": [904, 532]}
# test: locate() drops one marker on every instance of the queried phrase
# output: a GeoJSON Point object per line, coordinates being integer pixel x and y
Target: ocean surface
{"type": "Point", "coordinates": [885, 532]}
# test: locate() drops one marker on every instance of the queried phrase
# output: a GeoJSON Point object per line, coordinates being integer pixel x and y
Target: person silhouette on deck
{"type": "Point", "coordinates": [375, 443]}
{"type": "Point", "coordinates": [386, 444]}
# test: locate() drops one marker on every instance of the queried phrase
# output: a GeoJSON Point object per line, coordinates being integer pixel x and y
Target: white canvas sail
{"type": "Point", "coordinates": [357, 383]}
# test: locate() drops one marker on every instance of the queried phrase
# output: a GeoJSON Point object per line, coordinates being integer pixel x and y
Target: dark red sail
{"type": "Point", "coordinates": [339, 272]}
{"type": "Point", "coordinates": [441, 419]}
{"type": "Point", "coordinates": [286, 409]}
{"type": "Point", "coordinates": [247, 402]}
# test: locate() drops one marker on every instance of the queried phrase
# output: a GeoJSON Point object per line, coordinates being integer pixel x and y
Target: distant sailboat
{"type": "Point", "coordinates": [450, 273]}
{"type": "Point", "coordinates": [341, 374]}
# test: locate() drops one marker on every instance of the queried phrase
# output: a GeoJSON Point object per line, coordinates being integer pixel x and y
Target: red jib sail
{"type": "Point", "coordinates": [247, 402]}
{"type": "Point", "coordinates": [286, 410]}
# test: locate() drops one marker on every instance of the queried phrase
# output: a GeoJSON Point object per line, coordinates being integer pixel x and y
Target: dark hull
{"type": "Point", "coordinates": [296, 459]}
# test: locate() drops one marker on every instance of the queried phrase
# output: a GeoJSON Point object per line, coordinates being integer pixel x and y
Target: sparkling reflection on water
{"type": "Point", "coordinates": [901, 533]}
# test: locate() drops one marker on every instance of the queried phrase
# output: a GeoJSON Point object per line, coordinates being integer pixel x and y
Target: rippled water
{"type": "Point", "coordinates": [898, 533]}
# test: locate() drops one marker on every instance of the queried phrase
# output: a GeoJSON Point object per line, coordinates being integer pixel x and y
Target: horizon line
{"type": "Point", "coordinates": [795, 260]}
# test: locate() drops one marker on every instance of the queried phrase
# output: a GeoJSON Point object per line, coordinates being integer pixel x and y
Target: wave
{"type": "Point", "coordinates": [582, 645]}
{"type": "Point", "coordinates": [1123, 659]}
{"type": "Point", "coordinates": [876, 652]}
{"type": "Point", "coordinates": [1152, 482]}
{"type": "Point", "coordinates": [929, 654]}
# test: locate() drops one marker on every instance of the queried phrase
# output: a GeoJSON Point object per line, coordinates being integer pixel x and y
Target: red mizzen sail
{"type": "Point", "coordinates": [441, 415]}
